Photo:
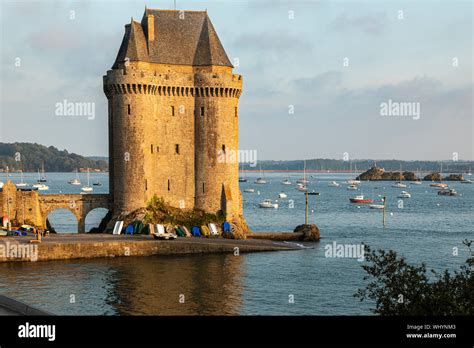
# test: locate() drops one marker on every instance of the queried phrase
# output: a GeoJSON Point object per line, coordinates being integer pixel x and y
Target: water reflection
{"type": "Point", "coordinates": [211, 285]}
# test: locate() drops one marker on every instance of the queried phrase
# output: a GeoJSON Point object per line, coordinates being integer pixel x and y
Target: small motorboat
{"type": "Point", "coordinates": [286, 182]}
{"type": "Point", "coordinates": [334, 184]}
{"type": "Point", "coordinates": [439, 185]}
{"type": "Point", "coordinates": [353, 187]}
{"type": "Point", "coordinates": [260, 181]}
{"type": "Point", "coordinates": [40, 187]}
{"type": "Point", "coordinates": [467, 181]}
{"type": "Point", "coordinates": [447, 192]}
{"type": "Point", "coordinates": [242, 179]}
{"type": "Point", "coordinates": [418, 182]}
{"type": "Point", "coordinates": [250, 190]}
{"type": "Point", "coordinates": [97, 183]}
{"type": "Point", "coordinates": [404, 194]}
{"type": "Point", "coordinates": [313, 193]}
{"type": "Point", "coordinates": [360, 199]}
{"type": "Point", "coordinates": [376, 206]}
{"type": "Point", "coordinates": [353, 182]}
{"type": "Point", "coordinates": [75, 182]}
{"type": "Point", "coordinates": [398, 184]}
{"type": "Point", "coordinates": [267, 203]}
{"type": "Point", "coordinates": [282, 195]}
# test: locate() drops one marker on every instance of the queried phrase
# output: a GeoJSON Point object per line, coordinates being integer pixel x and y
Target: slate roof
{"type": "Point", "coordinates": [189, 40]}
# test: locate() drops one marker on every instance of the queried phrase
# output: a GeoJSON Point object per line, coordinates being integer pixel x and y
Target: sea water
{"type": "Point", "coordinates": [424, 228]}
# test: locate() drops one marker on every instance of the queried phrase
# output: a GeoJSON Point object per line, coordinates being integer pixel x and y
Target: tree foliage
{"type": "Point", "coordinates": [30, 157]}
{"type": "Point", "coordinates": [399, 288]}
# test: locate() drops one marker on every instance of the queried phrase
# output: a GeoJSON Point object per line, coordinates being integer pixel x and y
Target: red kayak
{"type": "Point", "coordinates": [360, 199]}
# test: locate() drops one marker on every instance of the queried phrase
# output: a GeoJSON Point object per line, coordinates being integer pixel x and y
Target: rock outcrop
{"type": "Point", "coordinates": [309, 233]}
{"type": "Point", "coordinates": [376, 173]}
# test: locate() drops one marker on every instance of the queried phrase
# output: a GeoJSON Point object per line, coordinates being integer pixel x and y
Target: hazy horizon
{"type": "Point", "coordinates": [319, 77]}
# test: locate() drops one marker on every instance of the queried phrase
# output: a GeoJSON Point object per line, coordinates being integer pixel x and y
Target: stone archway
{"type": "Point", "coordinates": [74, 213]}
{"type": "Point", "coordinates": [87, 213]}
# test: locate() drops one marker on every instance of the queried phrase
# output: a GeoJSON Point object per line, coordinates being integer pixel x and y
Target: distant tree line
{"type": "Point", "coordinates": [30, 157]}
{"type": "Point", "coordinates": [363, 165]}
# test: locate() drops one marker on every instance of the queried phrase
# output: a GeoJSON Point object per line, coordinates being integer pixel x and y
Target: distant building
{"type": "Point", "coordinates": [173, 111]}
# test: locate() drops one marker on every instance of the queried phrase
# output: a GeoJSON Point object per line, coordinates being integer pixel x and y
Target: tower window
{"type": "Point", "coordinates": [172, 111]}
{"type": "Point", "coordinates": [146, 185]}
{"type": "Point", "coordinates": [157, 149]}
{"type": "Point", "coordinates": [202, 110]}
{"type": "Point", "coordinates": [202, 187]}
{"type": "Point", "coordinates": [128, 108]}
{"type": "Point", "coordinates": [176, 148]}
{"type": "Point", "coordinates": [151, 148]}
{"type": "Point", "coordinates": [169, 185]}
{"type": "Point", "coordinates": [235, 112]}
{"type": "Point", "coordinates": [223, 148]}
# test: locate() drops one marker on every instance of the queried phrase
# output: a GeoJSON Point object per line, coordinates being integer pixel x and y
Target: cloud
{"type": "Point", "coordinates": [324, 81]}
{"type": "Point", "coordinates": [372, 24]}
{"type": "Point", "coordinates": [279, 41]}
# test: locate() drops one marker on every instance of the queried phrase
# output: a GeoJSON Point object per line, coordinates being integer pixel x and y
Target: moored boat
{"type": "Point", "coordinates": [282, 195]}
{"type": "Point", "coordinates": [334, 184]}
{"type": "Point", "coordinates": [353, 187]}
{"type": "Point", "coordinates": [398, 184]}
{"type": "Point", "coordinates": [404, 194]}
{"type": "Point", "coordinates": [447, 192]}
{"type": "Point", "coordinates": [267, 203]}
{"type": "Point", "coordinates": [360, 199]}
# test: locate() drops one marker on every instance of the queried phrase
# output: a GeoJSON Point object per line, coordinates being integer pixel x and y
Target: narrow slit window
{"type": "Point", "coordinates": [128, 109]}
{"type": "Point", "coordinates": [223, 148]}
{"type": "Point", "coordinates": [177, 148]}
{"type": "Point", "coordinates": [146, 185]}
{"type": "Point", "coordinates": [169, 185]}
{"type": "Point", "coordinates": [202, 110]}
{"type": "Point", "coordinates": [172, 111]}
{"type": "Point", "coordinates": [235, 112]}
{"type": "Point", "coordinates": [151, 148]}
{"type": "Point", "coordinates": [202, 187]}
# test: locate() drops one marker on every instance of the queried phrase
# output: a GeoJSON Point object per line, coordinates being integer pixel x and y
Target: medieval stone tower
{"type": "Point", "coordinates": [173, 113]}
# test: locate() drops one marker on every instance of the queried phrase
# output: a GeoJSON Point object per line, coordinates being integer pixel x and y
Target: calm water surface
{"type": "Point", "coordinates": [425, 229]}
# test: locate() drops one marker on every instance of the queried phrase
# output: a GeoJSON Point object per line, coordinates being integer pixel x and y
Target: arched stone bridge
{"type": "Point", "coordinates": [79, 205]}
{"type": "Point", "coordinates": [31, 207]}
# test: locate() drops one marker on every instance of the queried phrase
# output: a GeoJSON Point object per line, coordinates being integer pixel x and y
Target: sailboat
{"type": "Point", "coordinates": [41, 178]}
{"type": "Point", "coordinates": [353, 181]}
{"type": "Point", "coordinates": [439, 184]}
{"type": "Point", "coordinates": [75, 181]}
{"type": "Point", "coordinates": [418, 179]}
{"type": "Point", "coordinates": [303, 180]}
{"type": "Point", "coordinates": [242, 178]}
{"type": "Point", "coordinates": [22, 183]}
{"type": "Point", "coordinates": [87, 188]}
{"type": "Point", "coordinates": [261, 180]}
{"type": "Point", "coordinates": [399, 183]}
{"type": "Point", "coordinates": [39, 184]}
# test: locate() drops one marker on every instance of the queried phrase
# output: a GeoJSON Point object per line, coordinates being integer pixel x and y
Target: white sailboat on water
{"type": "Point", "coordinates": [303, 180]}
{"type": "Point", "coordinates": [353, 181]}
{"type": "Point", "coordinates": [75, 181]}
{"type": "Point", "coordinates": [22, 183]}
{"type": "Point", "coordinates": [261, 180]}
{"type": "Point", "coordinates": [87, 188]}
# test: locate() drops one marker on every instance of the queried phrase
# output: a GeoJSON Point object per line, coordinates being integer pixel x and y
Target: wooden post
{"type": "Point", "coordinates": [383, 211]}
{"type": "Point", "coordinates": [306, 214]}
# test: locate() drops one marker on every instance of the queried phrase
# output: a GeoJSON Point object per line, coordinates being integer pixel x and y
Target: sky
{"type": "Point", "coordinates": [316, 74]}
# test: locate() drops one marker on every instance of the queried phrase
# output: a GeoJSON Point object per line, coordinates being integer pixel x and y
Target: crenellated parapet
{"type": "Point", "coordinates": [131, 81]}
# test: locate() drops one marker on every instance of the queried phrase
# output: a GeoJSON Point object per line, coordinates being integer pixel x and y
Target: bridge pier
{"type": "Point", "coordinates": [81, 225]}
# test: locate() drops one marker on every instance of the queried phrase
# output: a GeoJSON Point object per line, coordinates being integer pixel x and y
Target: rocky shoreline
{"type": "Point", "coordinates": [379, 174]}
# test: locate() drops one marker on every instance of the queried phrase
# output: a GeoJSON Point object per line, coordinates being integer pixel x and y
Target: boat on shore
{"type": "Point", "coordinates": [268, 203]}
{"type": "Point", "coordinates": [360, 199]}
